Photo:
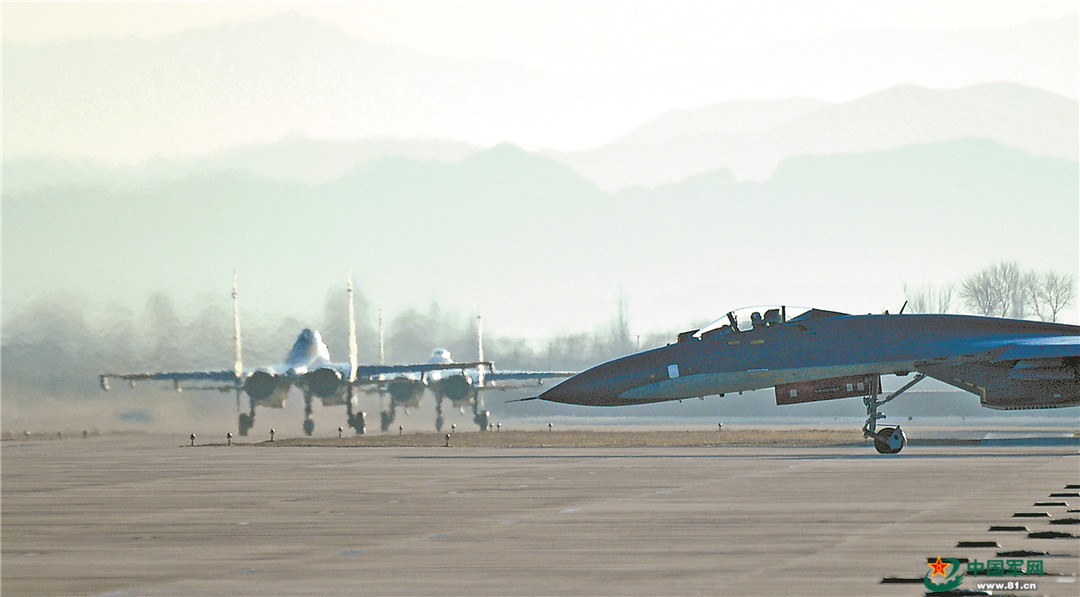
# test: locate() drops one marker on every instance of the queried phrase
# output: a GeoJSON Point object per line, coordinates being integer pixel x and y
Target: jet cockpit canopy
{"type": "Point", "coordinates": [751, 318]}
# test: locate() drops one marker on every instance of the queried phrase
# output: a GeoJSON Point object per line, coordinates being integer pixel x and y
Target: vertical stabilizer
{"type": "Point", "coordinates": [479, 350]}
{"type": "Point", "coordinates": [352, 335]}
{"type": "Point", "coordinates": [382, 352]}
{"type": "Point", "coordinates": [238, 361]}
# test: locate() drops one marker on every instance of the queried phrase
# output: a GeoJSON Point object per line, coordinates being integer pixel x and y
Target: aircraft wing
{"type": "Point", "coordinates": [1044, 347]}
{"type": "Point", "coordinates": [1015, 373]}
{"type": "Point", "coordinates": [364, 373]}
{"type": "Point", "coordinates": [372, 373]}
{"type": "Point", "coordinates": [527, 379]}
{"type": "Point", "coordinates": [1005, 352]}
{"type": "Point", "coordinates": [526, 375]}
{"type": "Point", "coordinates": [221, 376]}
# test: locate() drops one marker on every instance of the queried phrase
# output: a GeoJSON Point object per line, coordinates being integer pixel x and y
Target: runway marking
{"type": "Point", "coordinates": [1052, 535]}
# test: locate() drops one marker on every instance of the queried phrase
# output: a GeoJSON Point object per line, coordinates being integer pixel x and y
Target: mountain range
{"type": "Point", "coordinates": [258, 82]}
{"type": "Point", "coordinates": [520, 232]}
{"type": "Point", "coordinates": [291, 150]}
{"type": "Point", "coordinates": [748, 138]}
{"type": "Point", "coordinates": [752, 138]}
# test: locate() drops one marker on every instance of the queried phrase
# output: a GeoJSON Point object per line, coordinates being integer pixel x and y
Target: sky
{"type": "Point", "coordinates": [609, 67]}
{"type": "Point", "coordinates": [651, 57]}
{"type": "Point", "coordinates": [577, 36]}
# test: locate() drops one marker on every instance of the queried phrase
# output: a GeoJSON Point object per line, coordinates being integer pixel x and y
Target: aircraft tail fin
{"type": "Point", "coordinates": [353, 358]}
{"type": "Point", "coordinates": [382, 351]}
{"type": "Point", "coordinates": [238, 361]}
{"type": "Point", "coordinates": [479, 350]}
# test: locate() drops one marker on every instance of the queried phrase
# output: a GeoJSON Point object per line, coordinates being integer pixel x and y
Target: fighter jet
{"type": "Point", "coordinates": [465, 387]}
{"type": "Point", "coordinates": [812, 354]}
{"type": "Point", "coordinates": [462, 383]}
{"type": "Point", "coordinates": [307, 365]}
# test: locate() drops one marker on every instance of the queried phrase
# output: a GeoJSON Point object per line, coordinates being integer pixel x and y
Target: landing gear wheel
{"type": "Point", "coordinates": [246, 423]}
{"type": "Point", "coordinates": [309, 427]}
{"type": "Point", "coordinates": [890, 440]}
{"type": "Point", "coordinates": [887, 440]}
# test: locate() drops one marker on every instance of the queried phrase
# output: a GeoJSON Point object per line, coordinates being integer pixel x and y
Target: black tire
{"type": "Point", "coordinates": [881, 442]}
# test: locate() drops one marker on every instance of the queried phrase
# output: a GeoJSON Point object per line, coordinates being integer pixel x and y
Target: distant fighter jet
{"type": "Point", "coordinates": [811, 355]}
{"type": "Point", "coordinates": [461, 383]}
{"type": "Point", "coordinates": [307, 366]}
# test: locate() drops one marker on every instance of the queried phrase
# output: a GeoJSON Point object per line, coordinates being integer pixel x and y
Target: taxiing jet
{"type": "Point", "coordinates": [462, 383]}
{"type": "Point", "coordinates": [307, 366]}
{"type": "Point", "coordinates": [811, 354]}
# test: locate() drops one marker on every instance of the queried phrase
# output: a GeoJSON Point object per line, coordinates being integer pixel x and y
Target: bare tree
{"type": "Point", "coordinates": [998, 290]}
{"type": "Point", "coordinates": [1050, 292]}
{"type": "Point", "coordinates": [979, 295]}
{"type": "Point", "coordinates": [929, 299]}
{"type": "Point", "coordinates": [944, 296]}
{"type": "Point", "coordinates": [918, 301]}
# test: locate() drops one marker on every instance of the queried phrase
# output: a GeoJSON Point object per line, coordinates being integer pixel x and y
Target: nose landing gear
{"type": "Point", "coordinates": [309, 424]}
{"type": "Point", "coordinates": [887, 440]}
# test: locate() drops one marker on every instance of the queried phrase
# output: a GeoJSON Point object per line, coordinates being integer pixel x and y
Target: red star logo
{"type": "Point", "coordinates": [939, 567]}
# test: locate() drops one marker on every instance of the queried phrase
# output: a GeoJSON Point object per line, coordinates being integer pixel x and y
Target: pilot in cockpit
{"type": "Point", "coordinates": [773, 317]}
{"type": "Point", "coordinates": [756, 320]}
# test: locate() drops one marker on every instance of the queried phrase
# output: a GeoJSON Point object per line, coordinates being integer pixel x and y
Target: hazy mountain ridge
{"type": "Point", "coordinates": [741, 116]}
{"type": "Point", "coordinates": [1043, 54]}
{"type": "Point", "coordinates": [294, 159]}
{"type": "Point", "coordinates": [417, 225]}
{"type": "Point", "coordinates": [1032, 120]}
{"type": "Point", "coordinates": [315, 161]}
{"type": "Point", "coordinates": [280, 73]}
{"type": "Point", "coordinates": [665, 151]}
{"type": "Point", "coordinates": [264, 80]}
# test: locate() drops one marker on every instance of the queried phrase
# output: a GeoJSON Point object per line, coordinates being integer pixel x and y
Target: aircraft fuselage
{"type": "Point", "coordinates": [1008, 363]}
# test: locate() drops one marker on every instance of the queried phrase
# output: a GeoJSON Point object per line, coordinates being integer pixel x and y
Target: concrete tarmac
{"type": "Point", "coordinates": [150, 515]}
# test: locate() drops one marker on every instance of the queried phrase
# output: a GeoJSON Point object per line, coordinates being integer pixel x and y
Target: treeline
{"type": "Point", "coordinates": [58, 349]}
{"type": "Point", "coordinates": [999, 290]}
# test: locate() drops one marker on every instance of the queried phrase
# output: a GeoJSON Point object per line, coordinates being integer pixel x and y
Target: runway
{"type": "Point", "coordinates": [150, 515]}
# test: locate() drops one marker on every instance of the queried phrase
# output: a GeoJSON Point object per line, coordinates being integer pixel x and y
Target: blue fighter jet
{"type": "Point", "coordinates": [810, 355]}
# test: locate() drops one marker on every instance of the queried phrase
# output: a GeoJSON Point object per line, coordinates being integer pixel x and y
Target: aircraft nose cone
{"type": "Point", "coordinates": [599, 386]}
{"type": "Point", "coordinates": [567, 391]}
